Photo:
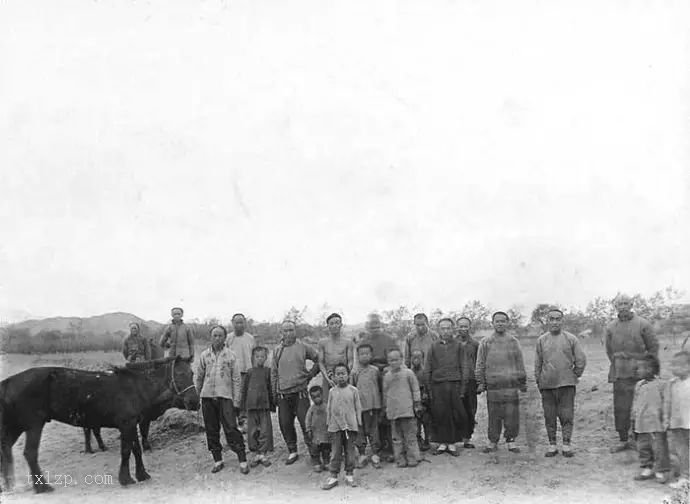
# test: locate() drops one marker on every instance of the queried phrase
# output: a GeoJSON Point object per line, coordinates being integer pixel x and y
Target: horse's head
{"type": "Point", "coordinates": [182, 382]}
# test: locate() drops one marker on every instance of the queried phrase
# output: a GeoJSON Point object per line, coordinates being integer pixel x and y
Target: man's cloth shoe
{"type": "Point", "coordinates": [376, 462]}
{"type": "Point", "coordinates": [491, 448]}
{"type": "Point", "coordinates": [244, 468]}
{"type": "Point", "coordinates": [644, 475]}
{"type": "Point", "coordinates": [292, 458]}
{"type": "Point", "coordinates": [512, 448]}
{"type": "Point", "coordinates": [440, 449]}
{"type": "Point", "coordinates": [217, 467]}
{"type": "Point", "coordinates": [552, 451]}
{"type": "Point", "coordinates": [453, 451]}
{"type": "Point", "coordinates": [350, 480]}
{"type": "Point", "coordinates": [330, 483]}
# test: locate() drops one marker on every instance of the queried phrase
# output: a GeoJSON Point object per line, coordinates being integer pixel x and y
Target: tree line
{"type": "Point", "coordinates": [658, 308]}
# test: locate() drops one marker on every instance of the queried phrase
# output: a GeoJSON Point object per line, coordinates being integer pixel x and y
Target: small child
{"type": "Point", "coordinates": [344, 417]}
{"type": "Point", "coordinates": [677, 415]}
{"type": "Point", "coordinates": [403, 402]}
{"type": "Point", "coordinates": [424, 418]}
{"type": "Point", "coordinates": [257, 401]}
{"type": "Point", "coordinates": [367, 379]}
{"type": "Point", "coordinates": [647, 419]}
{"type": "Point", "coordinates": [317, 430]}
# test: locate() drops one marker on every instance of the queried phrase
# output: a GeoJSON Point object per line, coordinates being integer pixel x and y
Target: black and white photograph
{"type": "Point", "coordinates": [352, 252]}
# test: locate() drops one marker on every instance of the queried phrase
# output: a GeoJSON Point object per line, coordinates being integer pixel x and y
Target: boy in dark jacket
{"type": "Point", "coordinates": [258, 402]}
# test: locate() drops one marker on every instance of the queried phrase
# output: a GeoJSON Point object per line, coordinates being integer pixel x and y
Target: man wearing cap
{"type": "Point", "coordinates": [628, 339]}
{"type": "Point", "coordinates": [178, 338]}
{"type": "Point", "coordinates": [420, 338]}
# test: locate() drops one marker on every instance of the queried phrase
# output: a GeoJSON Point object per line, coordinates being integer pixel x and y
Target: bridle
{"type": "Point", "coordinates": [172, 381]}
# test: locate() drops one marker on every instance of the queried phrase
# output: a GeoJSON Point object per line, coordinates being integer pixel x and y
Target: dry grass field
{"type": "Point", "coordinates": [180, 463]}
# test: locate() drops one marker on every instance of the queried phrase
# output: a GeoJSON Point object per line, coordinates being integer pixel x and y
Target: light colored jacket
{"type": "Point", "coordinates": [344, 409]}
{"type": "Point", "coordinates": [217, 375]}
{"type": "Point", "coordinates": [647, 412]}
{"type": "Point", "coordinates": [677, 404]}
{"type": "Point", "coordinates": [559, 360]}
{"type": "Point", "coordinates": [400, 392]}
{"type": "Point", "coordinates": [242, 346]}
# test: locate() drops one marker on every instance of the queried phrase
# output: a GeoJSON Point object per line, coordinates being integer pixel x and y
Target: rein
{"type": "Point", "coordinates": [172, 381]}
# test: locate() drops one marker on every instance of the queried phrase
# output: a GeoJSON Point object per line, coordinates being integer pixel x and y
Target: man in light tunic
{"type": "Point", "coordinates": [558, 365]}
{"type": "Point", "coordinates": [241, 343]}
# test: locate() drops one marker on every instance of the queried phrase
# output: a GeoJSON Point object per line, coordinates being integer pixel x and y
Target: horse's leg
{"type": "Point", "coordinates": [33, 440]}
{"type": "Point", "coordinates": [144, 425]}
{"type": "Point", "coordinates": [87, 440]}
{"type": "Point", "coordinates": [140, 470]}
{"type": "Point", "coordinates": [9, 437]}
{"type": "Point", "coordinates": [99, 439]}
{"type": "Point", "coordinates": [125, 477]}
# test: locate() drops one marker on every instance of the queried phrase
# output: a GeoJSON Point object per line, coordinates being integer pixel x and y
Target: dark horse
{"type": "Point", "coordinates": [150, 414]}
{"type": "Point", "coordinates": [87, 399]}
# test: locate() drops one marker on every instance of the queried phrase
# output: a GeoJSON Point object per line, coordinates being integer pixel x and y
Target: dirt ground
{"type": "Point", "coordinates": [180, 463]}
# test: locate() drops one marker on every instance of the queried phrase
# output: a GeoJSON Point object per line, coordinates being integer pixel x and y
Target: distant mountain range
{"type": "Point", "coordinates": [99, 324]}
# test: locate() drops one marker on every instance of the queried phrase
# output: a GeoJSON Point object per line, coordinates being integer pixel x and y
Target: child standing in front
{"type": "Point", "coordinates": [317, 430]}
{"type": "Point", "coordinates": [424, 417]}
{"type": "Point", "coordinates": [677, 415]}
{"type": "Point", "coordinates": [367, 379]}
{"type": "Point", "coordinates": [647, 421]}
{"type": "Point", "coordinates": [257, 403]}
{"type": "Point", "coordinates": [403, 401]}
{"type": "Point", "coordinates": [344, 417]}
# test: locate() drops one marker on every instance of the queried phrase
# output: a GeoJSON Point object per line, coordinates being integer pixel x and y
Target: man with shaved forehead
{"type": "Point", "coordinates": [420, 338]}
{"type": "Point", "coordinates": [558, 365]}
{"type": "Point", "coordinates": [290, 379]}
{"type": "Point", "coordinates": [629, 338]}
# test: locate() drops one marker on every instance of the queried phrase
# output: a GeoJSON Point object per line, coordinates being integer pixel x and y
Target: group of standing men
{"type": "Point", "coordinates": [451, 367]}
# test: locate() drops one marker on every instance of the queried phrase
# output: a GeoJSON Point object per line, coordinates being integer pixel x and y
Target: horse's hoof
{"type": "Point", "coordinates": [127, 481]}
{"type": "Point", "coordinates": [146, 446]}
{"type": "Point", "coordinates": [143, 476]}
{"type": "Point", "coordinates": [43, 488]}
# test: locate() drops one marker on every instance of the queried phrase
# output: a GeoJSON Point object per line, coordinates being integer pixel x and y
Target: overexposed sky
{"type": "Point", "coordinates": [254, 155]}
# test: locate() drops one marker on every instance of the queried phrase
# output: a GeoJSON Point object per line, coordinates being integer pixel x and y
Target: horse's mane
{"type": "Point", "coordinates": [144, 365]}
